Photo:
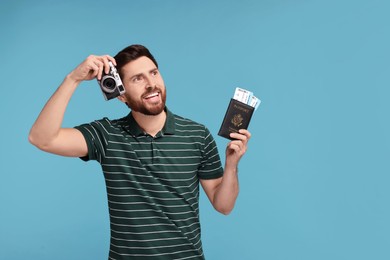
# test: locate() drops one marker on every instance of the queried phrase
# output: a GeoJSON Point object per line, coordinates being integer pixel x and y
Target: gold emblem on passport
{"type": "Point", "coordinates": [237, 120]}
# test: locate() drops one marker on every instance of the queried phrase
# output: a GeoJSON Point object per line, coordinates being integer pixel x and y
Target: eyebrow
{"type": "Point", "coordinates": [136, 75]}
{"type": "Point", "coordinates": [139, 74]}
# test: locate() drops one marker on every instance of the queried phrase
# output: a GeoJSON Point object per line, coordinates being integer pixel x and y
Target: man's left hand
{"type": "Point", "coordinates": [237, 147]}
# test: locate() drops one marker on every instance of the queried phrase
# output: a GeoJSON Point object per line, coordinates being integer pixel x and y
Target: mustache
{"type": "Point", "coordinates": [151, 90]}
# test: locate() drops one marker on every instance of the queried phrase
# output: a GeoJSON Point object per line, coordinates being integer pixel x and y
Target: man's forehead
{"type": "Point", "coordinates": [141, 65]}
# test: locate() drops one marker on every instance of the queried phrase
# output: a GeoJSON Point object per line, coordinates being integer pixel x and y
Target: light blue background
{"type": "Point", "coordinates": [315, 180]}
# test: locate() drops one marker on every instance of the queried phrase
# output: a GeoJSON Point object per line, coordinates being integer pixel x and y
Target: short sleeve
{"type": "Point", "coordinates": [211, 167]}
{"type": "Point", "coordinates": [96, 137]}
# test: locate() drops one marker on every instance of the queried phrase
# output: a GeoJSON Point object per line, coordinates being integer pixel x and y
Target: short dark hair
{"type": "Point", "coordinates": [131, 53]}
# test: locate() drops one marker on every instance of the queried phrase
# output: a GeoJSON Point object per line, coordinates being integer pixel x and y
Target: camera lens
{"type": "Point", "coordinates": [109, 84]}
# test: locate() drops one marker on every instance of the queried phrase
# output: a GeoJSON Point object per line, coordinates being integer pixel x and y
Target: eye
{"type": "Point", "coordinates": [155, 72]}
{"type": "Point", "coordinates": [137, 79]}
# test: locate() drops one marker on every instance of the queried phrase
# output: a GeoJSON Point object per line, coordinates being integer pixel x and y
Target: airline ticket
{"type": "Point", "coordinates": [247, 97]}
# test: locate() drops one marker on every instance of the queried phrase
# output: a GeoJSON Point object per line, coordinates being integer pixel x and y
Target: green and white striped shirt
{"type": "Point", "coordinates": [153, 184]}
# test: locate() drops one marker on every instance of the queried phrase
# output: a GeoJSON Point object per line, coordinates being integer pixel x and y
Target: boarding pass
{"type": "Point", "coordinates": [246, 97]}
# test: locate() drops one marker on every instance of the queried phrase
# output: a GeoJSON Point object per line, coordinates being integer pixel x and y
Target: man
{"type": "Point", "coordinates": [152, 160]}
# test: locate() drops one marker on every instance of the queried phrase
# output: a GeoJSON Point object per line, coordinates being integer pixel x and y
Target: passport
{"type": "Point", "coordinates": [238, 116]}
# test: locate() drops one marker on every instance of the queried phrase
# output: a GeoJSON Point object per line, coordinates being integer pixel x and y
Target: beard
{"type": "Point", "coordinates": [149, 109]}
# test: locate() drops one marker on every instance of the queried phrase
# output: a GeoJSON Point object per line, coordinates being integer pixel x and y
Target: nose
{"type": "Point", "coordinates": [150, 82]}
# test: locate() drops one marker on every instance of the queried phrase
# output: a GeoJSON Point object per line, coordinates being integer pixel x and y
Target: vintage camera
{"type": "Point", "coordinates": [111, 84]}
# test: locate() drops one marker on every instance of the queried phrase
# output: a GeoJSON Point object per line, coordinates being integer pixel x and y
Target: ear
{"type": "Point", "coordinates": [122, 98]}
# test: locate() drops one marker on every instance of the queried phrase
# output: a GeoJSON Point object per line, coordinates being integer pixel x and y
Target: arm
{"type": "Point", "coordinates": [47, 133]}
{"type": "Point", "coordinates": [223, 192]}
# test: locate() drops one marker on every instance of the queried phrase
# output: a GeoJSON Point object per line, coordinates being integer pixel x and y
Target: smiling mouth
{"type": "Point", "coordinates": [151, 95]}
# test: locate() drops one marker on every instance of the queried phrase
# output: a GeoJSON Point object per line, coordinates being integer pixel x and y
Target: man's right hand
{"type": "Point", "coordinates": [91, 68]}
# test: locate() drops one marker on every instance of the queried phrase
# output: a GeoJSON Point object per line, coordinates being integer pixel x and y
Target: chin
{"type": "Point", "coordinates": [152, 110]}
{"type": "Point", "coordinates": [155, 111]}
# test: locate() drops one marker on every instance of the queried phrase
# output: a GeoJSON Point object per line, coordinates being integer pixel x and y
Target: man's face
{"type": "Point", "coordinates": [145, 89]}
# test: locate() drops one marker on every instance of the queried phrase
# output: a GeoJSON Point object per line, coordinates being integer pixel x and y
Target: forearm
{"type": "Point", "coordinates": [48, 123]}
{"type": "Point", "coordinates": [227, 191]}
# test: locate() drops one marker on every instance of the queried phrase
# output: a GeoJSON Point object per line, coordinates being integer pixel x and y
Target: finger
{"type": "Point", "coordinates": [100, 67]}
{"type": "Point", "coordinates": [106, 59]}
{"type": "Point", "coordinates": [89, 69]}
{"type": "Point", "coordinates": [94, 69]}
{"type": "Point", "coordinates": [111, 59]}
{"type": "Point", "coordinates": [233, 147]}
{"type": "Point", "coordinates": [242, 144]}
{"type": "Point", "coordinates": [239, 136]}
{"type": "Point", "coordinates": [106, 65]}
{"type": "Point", "coordinates": [238, 143]}
{"type": "Point", "coordinates": [245, 132]}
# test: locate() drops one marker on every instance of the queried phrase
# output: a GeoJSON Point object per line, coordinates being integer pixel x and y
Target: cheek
{"type": "Point", "coordinates": [160, 80]}
{"type": "Point", "coordinates": [130, 91]}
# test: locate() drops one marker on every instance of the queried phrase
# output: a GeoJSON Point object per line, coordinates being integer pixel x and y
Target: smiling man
{"type": "Point", "coordinates": [152, 160]}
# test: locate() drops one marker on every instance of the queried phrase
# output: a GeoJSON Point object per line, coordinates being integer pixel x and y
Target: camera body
{"type": "Point", "coordinates": [111, 83]}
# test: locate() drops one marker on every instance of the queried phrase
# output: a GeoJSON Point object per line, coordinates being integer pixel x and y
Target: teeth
{"type": "Point", "coordinates": [152, 95]}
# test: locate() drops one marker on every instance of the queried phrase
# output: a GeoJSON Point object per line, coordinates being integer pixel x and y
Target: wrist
{"type": "Point", "coordinates": [71, 79]}
{"type": "Point", "coordinates": [231, 168]}
{"type": "Point", "coordinates": [70, 82]}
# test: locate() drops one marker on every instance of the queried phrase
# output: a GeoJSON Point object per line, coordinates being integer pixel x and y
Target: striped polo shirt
{"type": "Point", "coordinates": [153, 184]}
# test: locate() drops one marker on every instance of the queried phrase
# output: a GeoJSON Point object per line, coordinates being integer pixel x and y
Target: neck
{"type": "Point", "coordinates": [150, 124]}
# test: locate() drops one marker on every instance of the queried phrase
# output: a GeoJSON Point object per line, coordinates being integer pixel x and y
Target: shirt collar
{"type": "Point", "coordinates": [135, 129]}
{"type": "Point", "coordinates": [169, 126]}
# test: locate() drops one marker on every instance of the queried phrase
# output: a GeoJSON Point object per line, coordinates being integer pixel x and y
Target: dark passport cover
{"type": "Point", "coordinates": [238, 115]}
